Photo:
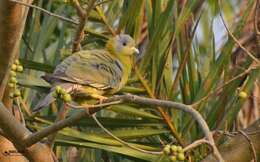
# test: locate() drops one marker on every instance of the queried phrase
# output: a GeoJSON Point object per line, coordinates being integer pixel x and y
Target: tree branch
{"type": "Point", "coordinates": [35, 137]}
{"type": "Point", "coordinates": [16, 132]}
{"type": "Point", "coordinates": [236, 40]}
{"type": "Point", "coordinates": [83, 17]}
{"type": "Point", "coordinates": [47, 12]}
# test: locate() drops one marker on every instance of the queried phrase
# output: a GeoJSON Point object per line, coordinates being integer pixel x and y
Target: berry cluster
{"type": "Point", "coordinates": [175, 152]}
{"type": "Point", "coordinates": [62, 94]}
{"type": "Point", "coordinates": [16, 67]}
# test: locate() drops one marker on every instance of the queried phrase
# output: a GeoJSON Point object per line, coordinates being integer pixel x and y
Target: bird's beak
{"type": "Point", "coordinates": [135, 50]}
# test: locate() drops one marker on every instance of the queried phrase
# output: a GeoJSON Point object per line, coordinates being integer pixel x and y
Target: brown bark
{"type": "Point", "coordinates": [12, 20]}
{"type": "Point", "coordinates": [237, 148]}
{"type": "Point", "coordinates": [16, 133]}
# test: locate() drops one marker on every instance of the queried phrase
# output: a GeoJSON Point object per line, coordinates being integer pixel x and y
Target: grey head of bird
{"type": "Point", "coordinates": [121, 45]}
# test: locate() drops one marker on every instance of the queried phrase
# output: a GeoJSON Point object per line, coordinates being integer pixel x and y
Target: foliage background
{"type": "Point", "coordinates": [186, 55]}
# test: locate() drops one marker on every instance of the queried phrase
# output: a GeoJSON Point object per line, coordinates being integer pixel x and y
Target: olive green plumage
{"type": "Point", "coordinates": [94, 72]}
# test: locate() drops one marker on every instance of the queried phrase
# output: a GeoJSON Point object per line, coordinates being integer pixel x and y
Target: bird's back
{"type": "Point", "coordinates": [95, 68]}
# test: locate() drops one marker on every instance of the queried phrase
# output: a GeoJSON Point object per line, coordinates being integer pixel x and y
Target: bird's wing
{"type": "Point", "coordinates": [95, 68]}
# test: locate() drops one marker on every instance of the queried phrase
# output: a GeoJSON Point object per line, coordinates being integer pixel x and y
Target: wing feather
{"type": "Point", "coordinates": [95, 68]}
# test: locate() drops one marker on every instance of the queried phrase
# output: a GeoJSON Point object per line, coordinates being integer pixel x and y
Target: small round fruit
{"type": "Point", "coordinates": [17, 93]}
{"type": "Point", "coordinates": [67, 97]}
{"type": "Point", "coordinates": [58, 89]}
{"type": "Point", "coordinates": [14, 67]}
{"type": "Point", "coordinates": [243, 94]}
{"type": "Point", "coordinates": [13, 73]}
{"type": "Point", "coordinates": [174, 148]}
{"type": "Point", "coordinates": [179, 149]}
{"type": "Point", "coordinates": [62, 91]}
{"type": "Point", "coordinates": [13, 80]}
{"type": "Point", "coordinates": [19, 68]}
{"type": "Point", "coordinates": [17, 62]}
{"type": "Point", "coordinates": [167, 149]}
{"type": "Point", "coordinates": [11, 95]}
{"type": "Point", "coordinates": [11, 85]}
{"type": "Point", "coordinates": [173, 158]}
{"type": "Point", "coordinates": [181, 156]}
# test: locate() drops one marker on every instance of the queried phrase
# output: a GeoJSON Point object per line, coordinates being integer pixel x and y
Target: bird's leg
{"type": "Point", "coordinates": [99, 97]}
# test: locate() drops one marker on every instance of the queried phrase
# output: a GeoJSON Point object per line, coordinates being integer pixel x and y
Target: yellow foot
{"type": "Point", "coordinates": [99, 97]}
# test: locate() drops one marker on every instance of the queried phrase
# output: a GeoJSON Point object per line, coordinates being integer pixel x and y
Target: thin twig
{"type": "Point", "coordinates": [83, 18]}
{"type": "Point", "coordinates": [247, 71]}
{"type": "Point", "coordinates": [25, 107]}
{"type": "Point", "coordinates": [250, 143]}
{"type": "Point", "coordinates": [256, 18]}
{"type": "Point", "coordinates": [123, 142]}
{"type": "Point", "coordinates": [94, 106]}
{"type": "Point", "coordinates": [102, 16]}
{"type": "Point", "coordinates": [27, 44]}
{"type": "Point", "coordinates": [196, 144]}
{"type": "Point", "coordinates": [237, 41]}
{"type": "Point", "coordinates": [17, 100]}
{"type": "Point", "coordinates": [46, 11]}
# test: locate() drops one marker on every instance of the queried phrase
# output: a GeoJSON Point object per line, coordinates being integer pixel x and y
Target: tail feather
{"type": "Point", "coordinates": [45, 102]}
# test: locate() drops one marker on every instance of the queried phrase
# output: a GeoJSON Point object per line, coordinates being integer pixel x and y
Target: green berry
{"type": "Point", "coordinates": [11, 95]}
{"type": "Point", "coordinates": [58, 89]}
{"type": "Point", "coordinates": [14, 67]}
{"type": "Point", "coordinates": [167, 149]}
{"type": "Point", "coordinates": [173, 158]}
{"type": "Point", "coordinates": [17, 62]}
{"type": "Point", "coordinates": [12, 73]}
{"type": "Point", "coordinates": [11, 85]}
{"type": "Point", "coordinates": [181, 156]}
{"type": "Point", "coordinates": [55, 94]}
{"type": "Point", "coordinates": [13, 80]}
{"type": "Point", "coordinates": [179, 149]}
{"type": "Point", "coordinates": [243, 94]}
{"type": "Point", "coordinates": [66, 97]}
{"type": "Point", "coordinates": [17, 93]}
{"type": "Point", "coordinates": [19, 68]}
{"type": "Point", "coordinates": [174, 148]}
{"type": "Point", "coordinates": [62, 91]}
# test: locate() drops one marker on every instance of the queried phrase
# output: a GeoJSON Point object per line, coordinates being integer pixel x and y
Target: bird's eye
{"type": "Point", "coordinates": [124, 43]}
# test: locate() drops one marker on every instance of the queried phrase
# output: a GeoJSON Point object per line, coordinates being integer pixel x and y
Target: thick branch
{"type": "Point", "coordinates": [12, 20]}
{"type": "Point", "coordinates": [16, 132]}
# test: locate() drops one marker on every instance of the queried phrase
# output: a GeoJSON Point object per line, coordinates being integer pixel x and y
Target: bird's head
{"type": "Point", "coordinates": [121, 45]}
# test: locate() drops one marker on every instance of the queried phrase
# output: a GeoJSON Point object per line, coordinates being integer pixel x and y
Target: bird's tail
{"type": "Point", "coordinates": [45, 102]}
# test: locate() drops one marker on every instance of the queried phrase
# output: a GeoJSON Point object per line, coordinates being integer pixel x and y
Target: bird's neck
{"type": "Point", "coordinates": [127, 62]}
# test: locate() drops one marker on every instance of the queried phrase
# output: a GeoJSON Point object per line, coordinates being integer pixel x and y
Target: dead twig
{"type": "Point", "coordinates": [196, 144]}
{"type": "Point", "coordinates": [83, 17]}
{"type": "Point", "coordinates": [46, 11]}
{"type": "Point", "coordinates": [236, 40]}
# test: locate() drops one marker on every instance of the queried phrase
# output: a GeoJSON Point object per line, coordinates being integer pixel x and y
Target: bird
{"type": "Point", "coordinates": [93, 72]}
